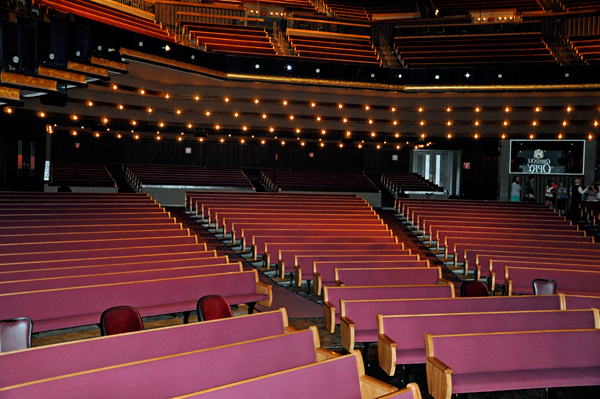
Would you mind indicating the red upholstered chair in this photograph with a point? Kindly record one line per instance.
(120, 319)
(544, 287)
(213, 307)
(473, 288)
(15, 334)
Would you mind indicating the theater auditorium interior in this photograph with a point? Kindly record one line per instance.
(376, 199)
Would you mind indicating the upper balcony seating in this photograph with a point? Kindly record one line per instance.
(334, 47)
(478, 50)
(587, 47)
(110, 16)
(451, 7)
(80, 174)
(580, 5)
(229, 38)
(306, 180)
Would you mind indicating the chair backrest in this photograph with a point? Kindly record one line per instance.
(120, 319)
(15, 334)
(213, 307)
(544, 287)
(473, 288)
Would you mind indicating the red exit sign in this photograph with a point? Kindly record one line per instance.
(466, 165)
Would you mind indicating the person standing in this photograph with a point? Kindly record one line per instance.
(549, 193)
(577, 193)
(562, 195)
(515, 189)
(529, 190)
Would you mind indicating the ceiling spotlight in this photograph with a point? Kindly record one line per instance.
(477, 109)
(197, 98)
(167, 95)
(393, 109)
(367, 107)
(318, 118)
(292, 117)
(149, 109)
(90, 104)
(143, 91)
(120, 106)
(178, 112)
(256, 101)
(217, 127)
(285, 102)
(340, 106)
(115, 87)
(312, 104)
(226, 99)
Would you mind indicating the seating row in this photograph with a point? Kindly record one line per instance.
(313, 181)
(587, 46)
(189, 176)
(83, 175)
(451, 8)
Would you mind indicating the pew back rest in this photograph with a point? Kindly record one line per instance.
(183, 372)
(524, 350)
(364, 312)
(567, 279)
(408, 330)
(385, 276)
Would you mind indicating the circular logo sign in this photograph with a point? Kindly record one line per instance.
(538, 154)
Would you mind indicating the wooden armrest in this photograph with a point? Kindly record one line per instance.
(263, 288)
(317, 283)
(508, 287)
(477, 273)
(492, 281)
(325, 354)
(373, 388)
(386, 352)
(329, 316)
(444, 281)
(267, 258)
(298, 275)
(289, 329)
(347, 327)
(254, 248)
(338, 283)
(439, 378)
(281, 268)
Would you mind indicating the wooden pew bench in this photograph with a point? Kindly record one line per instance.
(582, 302)
(519, 280)
(337, 378)
(87, 228)
(400, 337)
(355, 277)
(183, 372)
(324, 270)
(358, 318)
(58, 238)
(68, 279)
(333, 295)
(522, 360)
(24, 366)
(84, 305)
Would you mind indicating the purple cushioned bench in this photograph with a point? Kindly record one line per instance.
(582, 301)
(333, 295)
(54, 209)
(322, 236)
(91, 217)
(23, 271)
(358, 319)
(519, 280)
(37, 282)
(460, 248)
(324, 271)
(87, 228)
(82, 221)
(23, 366)
(497, 267)
(218, 217)
(84, 305)
(400, 338)
(183, 372)
(338, 378)
(426, 221)
(483, 216)
(521, 360)
(41, 239)
(41, 260)
(286, 251)
(386, 276)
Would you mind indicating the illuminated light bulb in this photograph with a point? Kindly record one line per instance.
(370, 122)
(74, 116)
(262, 141)
(378, 146)
(201, 139)
(161, 124)
(476, 123)
(449, 123)
(590, 137)
(595, 123)
(217, 127)
(397, 135)
(242, 141)
(271, 130)
(422, 123)
(143, 91)
(348, 133)
(189, 125)
(420, 109)
(118, 136)
(74, 133)
(449, 136)
(448, 109)
(302, 144)
(340, 106)
(244, 128)
(167, 96)
(236, 114)
(477, 109)
(322, 144)
(341, 145)
(345, 120)
(393, 109)
(90, 104)
(291, 117)
(120, 106)
(323, 131)
(197, 98)
(207, 113)
(560, 136)
(568, 109)
(137, 137)
(285, 102)
(256, 101)
(264, 116)
(397, 147)
(537, 109)
(105, 120)
(134, 123)
(395, 122)
(373, 134)
(297, 130)
(534, 123)
(318, 118)
(226, 99)
(476, 136)
(283, 143)
(97, 134)
(422, 135)
(149, 109)
(564, 123)
(505, 123)
(507, 109)
(367, 107)
(312, 104)
(178, 112)
(531, 136)
(222, 140)
(360, 146)
(115, 87)
(157, 137)
(42, 114)
(180, 138)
